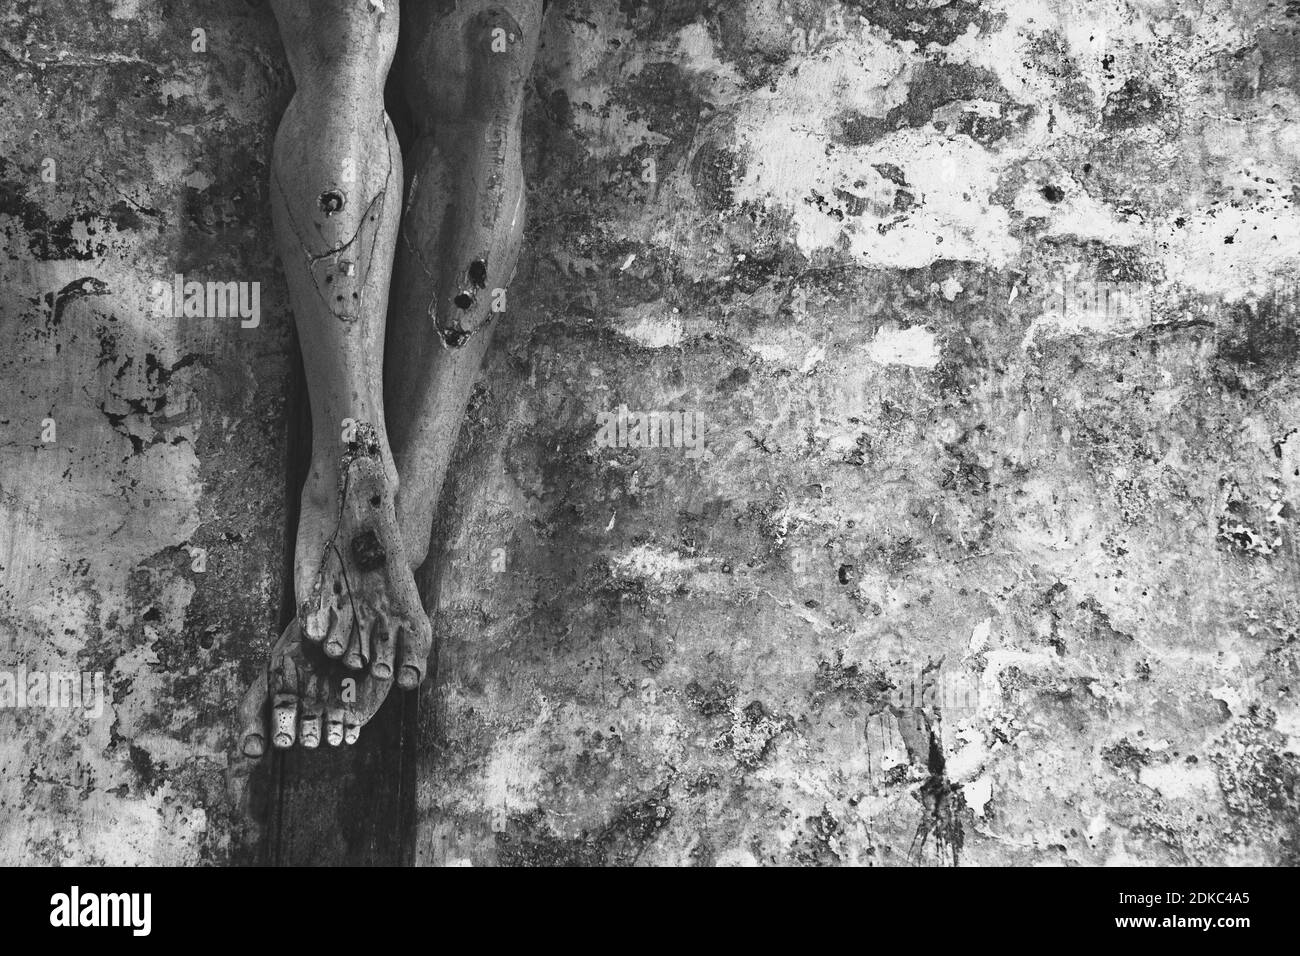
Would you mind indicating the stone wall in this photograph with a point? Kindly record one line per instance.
(975, 563)
(975, 568)
(168, 450)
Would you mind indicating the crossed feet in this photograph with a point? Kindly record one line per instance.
(359, 616)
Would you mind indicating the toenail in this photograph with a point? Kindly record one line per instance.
(382, 671)
(368, 551)
(254, 745)
(409, 677)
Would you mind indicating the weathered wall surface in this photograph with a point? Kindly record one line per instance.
(831, 230)
(1081, 519)
(168, 433)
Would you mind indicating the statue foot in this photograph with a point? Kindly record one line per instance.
(303, 698)
(357, 592)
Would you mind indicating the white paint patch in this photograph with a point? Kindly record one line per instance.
(655, 332)
(1290, 467)
(954, 179)
(966, 762)
(1079, 215)
(915, 347)
(1230, 698)
(816, 355)
(1179, 781)
(512, 775)
(979, 637)
(1260, 258)
(651, 566)
(978, 793)
(1288, 723)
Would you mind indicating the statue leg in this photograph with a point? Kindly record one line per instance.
(464, 66)
(336, 198)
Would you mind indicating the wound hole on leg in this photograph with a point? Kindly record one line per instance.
(368, 551)
(478, 273)
(332, 201)
(464, 301)
(453, 338)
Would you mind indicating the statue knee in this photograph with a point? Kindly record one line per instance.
(502, 58)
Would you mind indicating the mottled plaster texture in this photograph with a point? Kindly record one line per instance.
(968, 572)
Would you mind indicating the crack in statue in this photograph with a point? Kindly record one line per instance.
(384, 426)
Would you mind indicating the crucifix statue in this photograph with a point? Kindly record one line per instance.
(411, 248)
